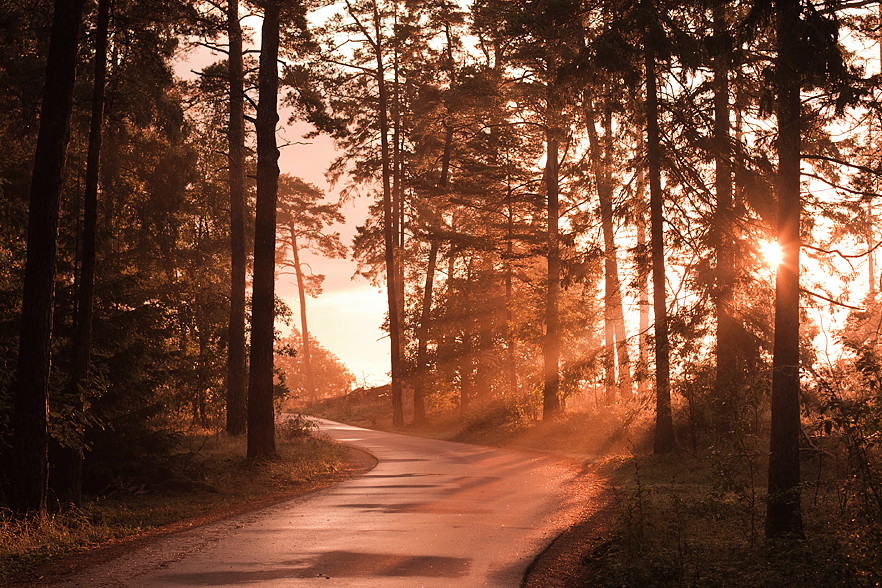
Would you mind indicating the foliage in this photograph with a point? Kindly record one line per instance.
(332, 378)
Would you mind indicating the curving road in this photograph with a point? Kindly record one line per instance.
(430, 514)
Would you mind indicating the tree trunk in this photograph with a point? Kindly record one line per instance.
(261, 423)
(67, 467)
(511, 342)
(389, 234)
(664, 424)
(28, 476)
(727, 350)
(236, 365)
(783, 515)
(614, 316)
(304, 330)
(419, 386)
(642, 281)
(465, 357)
(551, 405)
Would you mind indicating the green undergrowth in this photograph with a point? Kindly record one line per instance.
(209, 473)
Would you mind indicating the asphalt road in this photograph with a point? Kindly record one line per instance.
(430, 514)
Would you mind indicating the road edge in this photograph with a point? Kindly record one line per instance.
(358, 463)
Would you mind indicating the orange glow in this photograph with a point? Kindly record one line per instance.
(772, 252)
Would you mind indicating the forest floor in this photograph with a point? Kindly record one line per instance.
(691, 518)
(220, 484)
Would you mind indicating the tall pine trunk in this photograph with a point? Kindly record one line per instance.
(614, 317)
(28, 476)
(67, 467)
(783, 513)
(419, 386)
(304, 330)
(390, 237)
(642, 279)
(727, 350)
(664, 424)
(236, 366)
(261, 423)
(551, 405)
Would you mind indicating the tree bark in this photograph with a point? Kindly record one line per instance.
(389, 234)
(664, 424)
(511, 342)
(419, 387)
(67, 467)
(28, 476)
(304, 330)
(614, 316)
(236, 362)
(642, 281)
(261, 422)
(551, 405)
(727, 349)
(783, 513)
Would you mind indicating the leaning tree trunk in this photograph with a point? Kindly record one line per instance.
(419, 387)
(304, 330)
(236, 365)
(67, 467)
(783, 514)
(261, 423)
(664, 424)
(28, 474)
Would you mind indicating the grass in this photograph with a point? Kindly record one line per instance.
(211, 473)
(698, 521)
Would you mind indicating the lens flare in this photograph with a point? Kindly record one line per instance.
(772, 252)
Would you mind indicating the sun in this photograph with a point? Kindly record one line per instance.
(772, 252)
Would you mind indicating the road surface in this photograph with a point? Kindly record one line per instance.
(430, 514)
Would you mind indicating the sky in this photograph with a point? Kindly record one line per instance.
(346, 317)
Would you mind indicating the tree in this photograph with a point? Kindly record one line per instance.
(236, 365)
(261, 421)
(614, 318)
(330, 377)
(305, 219)
(783, 513)
(68, 463)
(664, 429)
(28, 476)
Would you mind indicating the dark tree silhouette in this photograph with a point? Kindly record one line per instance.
(28, 476)
(67, 469)
(261, 425)
(236, 368)
(783, 513)
(664, 427)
